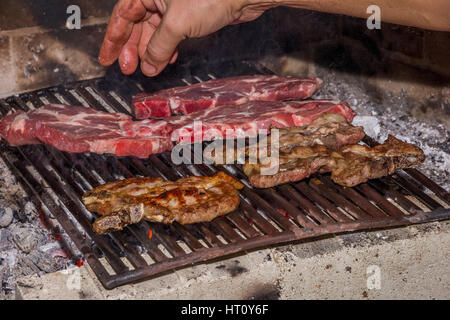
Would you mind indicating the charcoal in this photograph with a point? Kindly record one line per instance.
(6, 217)
(27, 237)
(20, 216)
(29, 209)
(43, 261)
(5, 240)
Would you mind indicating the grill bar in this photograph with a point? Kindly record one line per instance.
(419, 176)
(56, 180)
(289, 192)
(339, 200)
(362, 202)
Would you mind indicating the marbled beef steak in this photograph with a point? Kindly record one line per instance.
(222, 92)
(81, 129)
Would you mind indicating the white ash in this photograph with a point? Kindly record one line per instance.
(394, 115)
(26, 247)
(26, 237)
(6, 217)
(370, 124)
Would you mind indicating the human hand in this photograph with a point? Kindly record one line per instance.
(152, 29)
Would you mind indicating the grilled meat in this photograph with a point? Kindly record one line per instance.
(330, 130)
(349, 166)
(361, 163)
(187, 200)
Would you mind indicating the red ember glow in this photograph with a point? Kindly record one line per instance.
(284, 213)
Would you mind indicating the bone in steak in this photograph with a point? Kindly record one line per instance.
(253, 118)
(330, 130)
(219, 92)
(349, 166)
(80, 129)
(187, 200)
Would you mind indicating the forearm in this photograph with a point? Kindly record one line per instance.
(433, 14)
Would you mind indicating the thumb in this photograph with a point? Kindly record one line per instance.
(161, 47)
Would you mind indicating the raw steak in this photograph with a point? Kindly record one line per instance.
(252, 118)
(227, 91)
(80, 129)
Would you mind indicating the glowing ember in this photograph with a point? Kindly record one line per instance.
(150, 233)
(80, 262)
(284, 213)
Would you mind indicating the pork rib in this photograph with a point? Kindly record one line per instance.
(187, 200)
(219, 92)
(330, 130)
(349, 166)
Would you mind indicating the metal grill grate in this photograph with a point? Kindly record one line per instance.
(306, 209)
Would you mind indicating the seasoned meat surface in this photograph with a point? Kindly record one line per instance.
(187, 200)
(330, 129)
(349, 166)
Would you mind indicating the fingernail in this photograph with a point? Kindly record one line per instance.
(148, 69)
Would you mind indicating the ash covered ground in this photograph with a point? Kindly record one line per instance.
(26, 246)
(394, 114)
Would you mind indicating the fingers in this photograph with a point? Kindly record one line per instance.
(149, 27)
(161, 47)
(135, 30)
(120, 27)
(174, 57)
(128, 59)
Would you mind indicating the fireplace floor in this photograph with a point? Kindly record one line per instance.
(412, 262)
